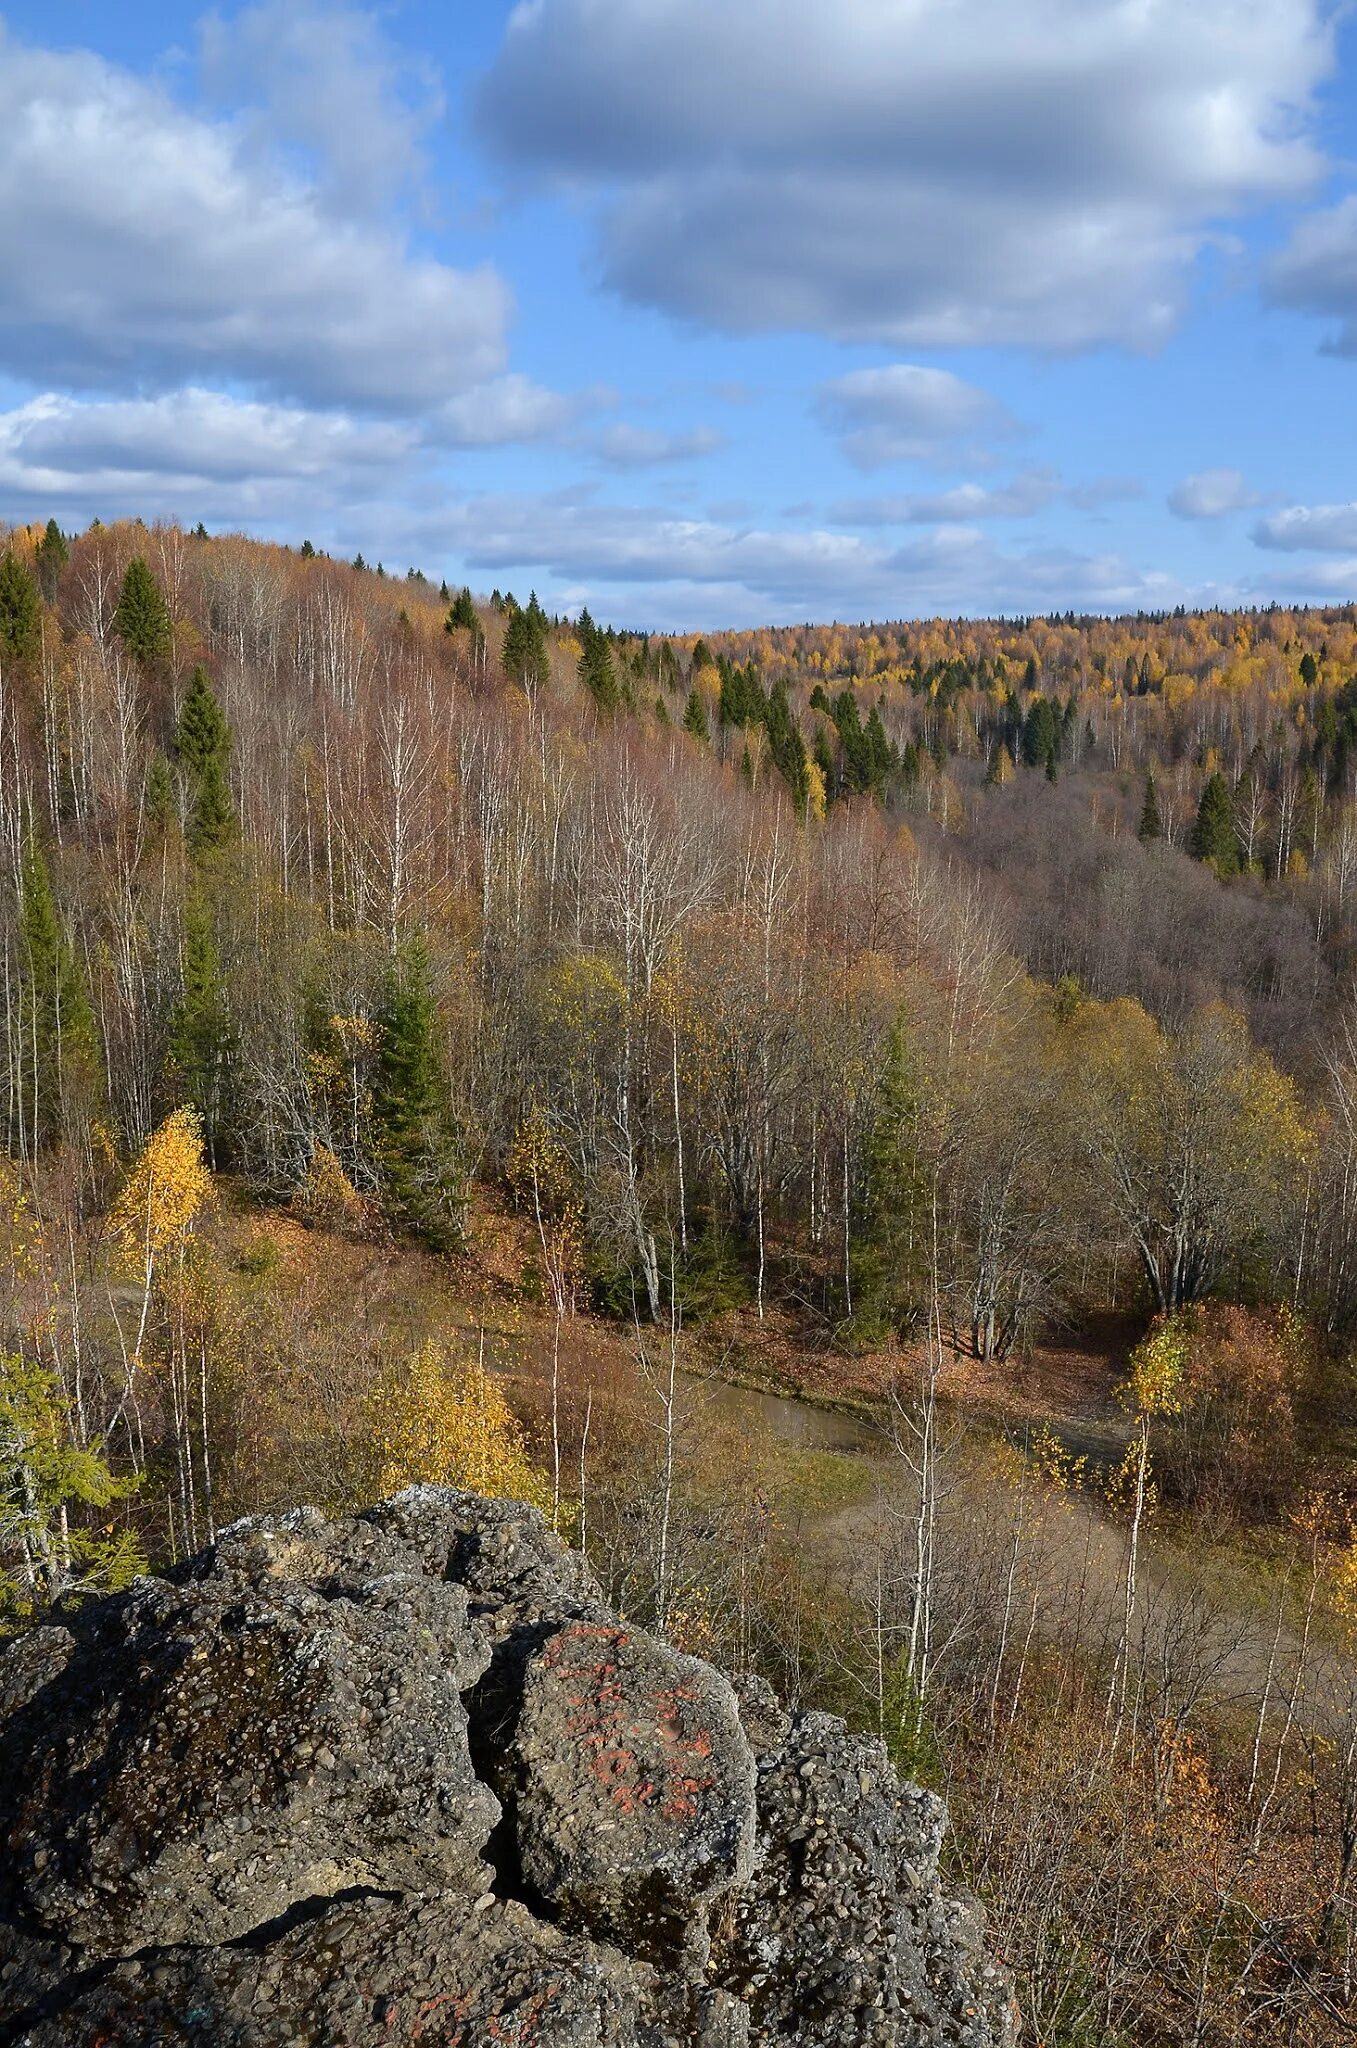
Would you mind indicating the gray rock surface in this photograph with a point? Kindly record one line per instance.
(403, 1777)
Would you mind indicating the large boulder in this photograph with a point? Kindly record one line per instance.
(404, 1776)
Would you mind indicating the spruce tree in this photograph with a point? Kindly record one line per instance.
(695, 717)
(20, 611)
(50, 558)
(596, 670)
(202, 1045)
(1213, 835)
(142, 619)
(1040, 734)
(202, 743)
(525, 644)
(419, 1150)
(880, 757)
(462, 612)
(158, 798)
(59, 1063)
(1151, 826)
(884, 1266)
(787, 747)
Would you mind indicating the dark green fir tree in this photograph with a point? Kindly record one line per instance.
(1213, 835)
(695, 718)
(202, 744)
(59, 1070)
(596, 670)
(20, 611)
(201, 1053)
(1151, 825)
(50, 558)
(142, 619)
(420, 1156)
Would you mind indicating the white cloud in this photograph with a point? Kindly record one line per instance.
(1322, 527)
(914, 172)
(640, 563)
(1030, 492)
(625, 446)
(323, 78)
(903, 412)
(192, 451)
(509, 408)
(142, 244)
(1211, 494)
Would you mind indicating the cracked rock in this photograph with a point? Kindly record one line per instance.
(403, 1776)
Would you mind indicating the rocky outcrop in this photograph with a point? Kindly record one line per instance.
(404, 1777)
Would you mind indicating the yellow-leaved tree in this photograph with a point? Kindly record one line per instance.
(150, 1225)
(442, 1420)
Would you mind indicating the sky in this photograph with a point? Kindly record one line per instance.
(703, 313)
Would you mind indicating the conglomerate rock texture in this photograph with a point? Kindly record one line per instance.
(404, 1778)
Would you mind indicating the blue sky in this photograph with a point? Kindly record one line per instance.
(701, 312)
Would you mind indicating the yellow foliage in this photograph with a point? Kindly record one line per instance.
(1154, 1385)
(327, 1196)
(163, 1193)
(815, 790)
(443, 1421)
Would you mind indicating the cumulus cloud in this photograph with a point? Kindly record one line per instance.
(1317, 271)
(1324, 528)
(641, 561)
(1211, 494)
(903, 412)
(193, 450)
(246, 457)
(1030, 492)
(509, 408)
(141, 244)
(921, 174)
(624, 446)
(324, 79)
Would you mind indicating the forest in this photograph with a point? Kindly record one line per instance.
(445, 1041)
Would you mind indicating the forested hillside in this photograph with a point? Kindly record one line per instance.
(380, 962)
(816, 951)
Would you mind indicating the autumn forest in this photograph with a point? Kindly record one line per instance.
(445, 1041)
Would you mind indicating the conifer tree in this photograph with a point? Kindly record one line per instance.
(596, 670)
(20, 611)
(202, 742)
(695, 717)
(1040, 736)
(881, 759)
(419, 1150)
(462, 613)
(202, 1044)
(1150, 827)
(142, 619)
(1213, 835)
(885, 1284)
(525, 644)
(787, 747)
(59, 1065)
(50, 558)
(158, 798)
